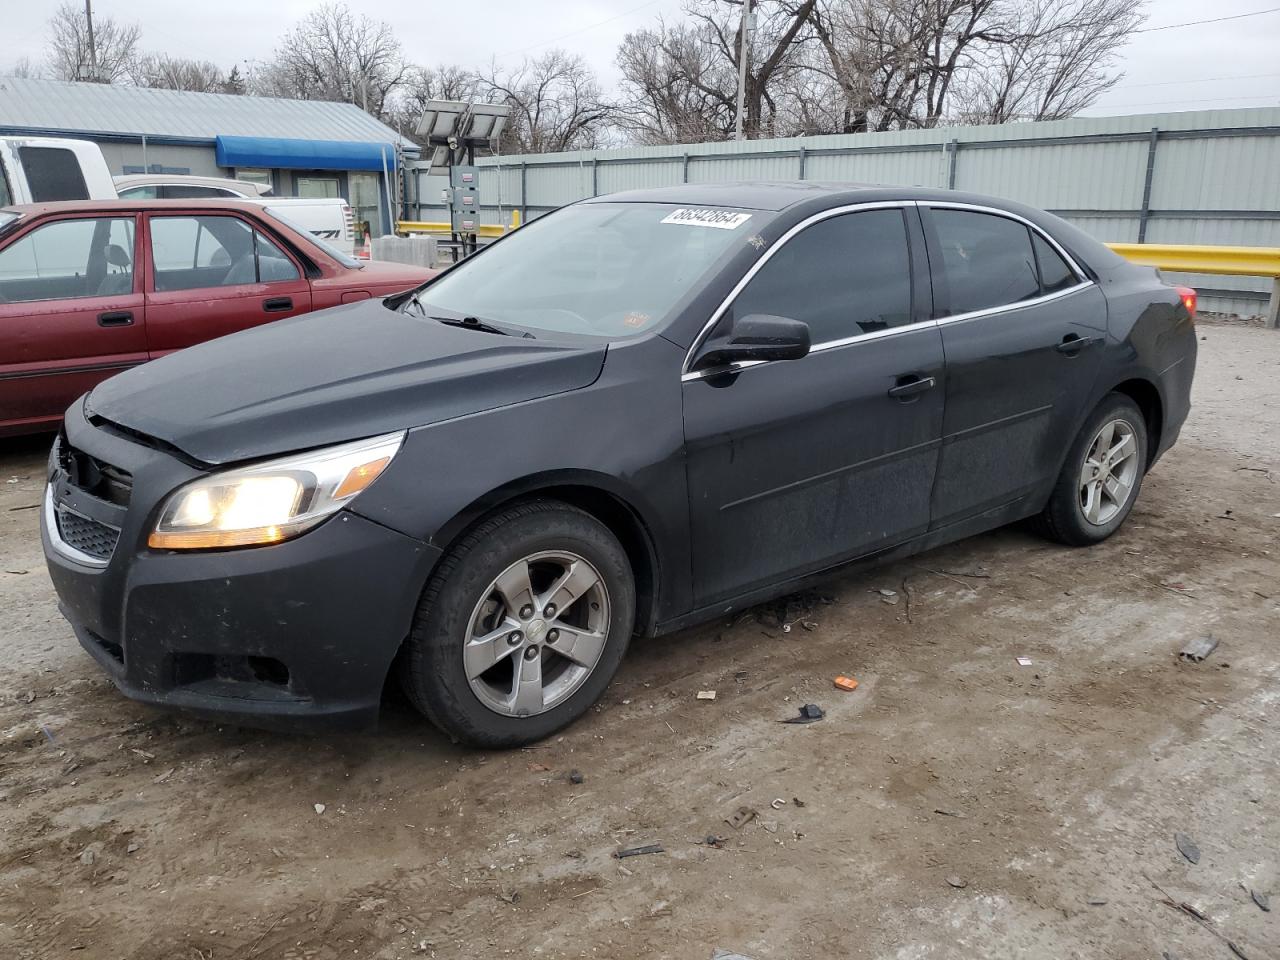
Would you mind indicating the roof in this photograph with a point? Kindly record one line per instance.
(64, 108)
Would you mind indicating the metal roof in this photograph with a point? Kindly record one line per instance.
(97, 109)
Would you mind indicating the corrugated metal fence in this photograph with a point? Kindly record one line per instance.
(1205, 177)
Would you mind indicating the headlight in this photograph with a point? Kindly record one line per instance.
(272, 501)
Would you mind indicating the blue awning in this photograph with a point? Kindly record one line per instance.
(304, 154)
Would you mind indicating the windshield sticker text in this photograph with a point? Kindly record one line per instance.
(706, 217)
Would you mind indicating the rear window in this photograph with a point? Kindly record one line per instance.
(987, 260)
(53, 173)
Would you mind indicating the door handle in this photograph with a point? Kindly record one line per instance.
(116, 318)
(911, 386)
(277, 304)
(1073, 343)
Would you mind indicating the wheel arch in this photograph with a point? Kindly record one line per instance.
(599, 495)
(1146, 395)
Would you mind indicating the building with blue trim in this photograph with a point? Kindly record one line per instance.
(301, 147)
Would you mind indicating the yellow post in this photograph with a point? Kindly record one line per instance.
(515, 219)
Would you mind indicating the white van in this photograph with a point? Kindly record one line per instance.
(38, 169)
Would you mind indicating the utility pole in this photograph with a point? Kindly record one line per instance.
(93, 52)
(744, 48)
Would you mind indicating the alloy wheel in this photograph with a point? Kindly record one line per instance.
(1109, 472)
(536, 633)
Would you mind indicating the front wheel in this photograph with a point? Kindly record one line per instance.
(1101, 477)
(521, 627)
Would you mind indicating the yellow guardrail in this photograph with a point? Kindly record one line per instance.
(1223, 261)
(431, 226)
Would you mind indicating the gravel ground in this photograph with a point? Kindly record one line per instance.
(956, 804)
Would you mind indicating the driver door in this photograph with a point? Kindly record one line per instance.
(798, 465)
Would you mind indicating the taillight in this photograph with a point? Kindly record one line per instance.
(1188, 296)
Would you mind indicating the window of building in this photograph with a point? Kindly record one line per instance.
(254, 175)
(317, 186)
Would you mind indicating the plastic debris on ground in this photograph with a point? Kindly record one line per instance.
(639, 851)
(706, 694)
(809, 713)
(1198, 650)
(740, 817)
(1187, 847)
(846, 683)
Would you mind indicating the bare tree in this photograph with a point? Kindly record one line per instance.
(23, 67)
(917, 63)
(115, 47)
(177, 73)
(331, 54)
(428, 83)
(556, 104)
(235, 82)
(1059, 60)
(676, 86)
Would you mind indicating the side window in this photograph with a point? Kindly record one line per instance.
(843, 276)
(272, 262)
(189, 191)
(987, 259)
(138, 193)
(53, 173)
(69, 259)
(1054, 272)
(6, 197)
(194, 252)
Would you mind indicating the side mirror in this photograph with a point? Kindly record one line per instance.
(757, 336)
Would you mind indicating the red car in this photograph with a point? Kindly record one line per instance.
(89, 288)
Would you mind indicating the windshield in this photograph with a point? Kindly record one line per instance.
(343, 258)
(608, 269)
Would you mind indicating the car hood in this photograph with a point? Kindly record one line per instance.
(340, 374)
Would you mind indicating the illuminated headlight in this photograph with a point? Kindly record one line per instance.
(271, 501)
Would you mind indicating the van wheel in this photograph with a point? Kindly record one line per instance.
(521, 627)
(1101, 477)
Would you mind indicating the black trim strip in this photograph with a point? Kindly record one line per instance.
(56, 371)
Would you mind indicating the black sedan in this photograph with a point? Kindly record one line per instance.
(636, 413)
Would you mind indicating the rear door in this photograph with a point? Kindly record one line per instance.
(1023, 330)
(71, 314)
(796, 465)
(214, 274)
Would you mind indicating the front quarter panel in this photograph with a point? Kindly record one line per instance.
(623, 434)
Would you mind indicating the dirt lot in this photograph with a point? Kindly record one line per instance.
(956, 805)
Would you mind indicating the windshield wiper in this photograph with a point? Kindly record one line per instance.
(472, 323)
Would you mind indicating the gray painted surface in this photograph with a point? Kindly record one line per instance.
(92, 107)
(1212, 178)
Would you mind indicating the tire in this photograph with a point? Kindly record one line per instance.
(1071, 516)
(555, 545)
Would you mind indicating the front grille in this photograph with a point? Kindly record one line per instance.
(98, 540)
(95, 477)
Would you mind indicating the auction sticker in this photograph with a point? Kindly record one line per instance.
(707, 217)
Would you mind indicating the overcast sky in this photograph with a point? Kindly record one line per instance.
(1216, 65)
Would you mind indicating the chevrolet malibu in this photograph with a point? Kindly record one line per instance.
(636, 413)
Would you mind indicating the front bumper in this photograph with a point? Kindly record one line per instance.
(296, 634)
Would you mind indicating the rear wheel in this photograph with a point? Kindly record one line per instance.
(521, 627)
(1101, 477)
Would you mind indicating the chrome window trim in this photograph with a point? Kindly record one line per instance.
(1009, 215)
(688, 375)
(55, 535)
(765, 258)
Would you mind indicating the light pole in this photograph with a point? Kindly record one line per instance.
(744, 48)
(93, 52)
